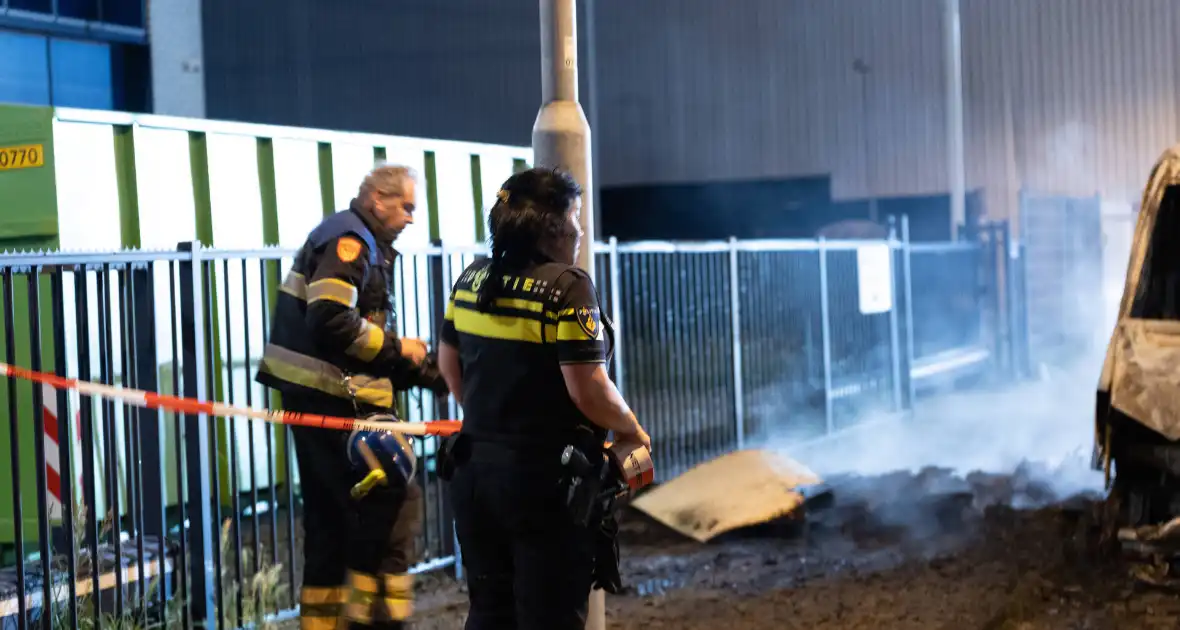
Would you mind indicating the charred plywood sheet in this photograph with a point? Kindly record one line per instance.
(737, 490)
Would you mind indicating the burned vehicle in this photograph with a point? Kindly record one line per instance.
(1137, 419)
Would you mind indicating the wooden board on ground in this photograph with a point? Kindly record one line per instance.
(737, 490)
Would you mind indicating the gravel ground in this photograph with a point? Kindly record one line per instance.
(955, 557)
(935, 522)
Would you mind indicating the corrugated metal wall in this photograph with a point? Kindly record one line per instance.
(1092, 91)
(459, 69)
(1070, 96)
(697, 89)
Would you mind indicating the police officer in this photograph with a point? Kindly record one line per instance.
(524, 351)
(330, 353)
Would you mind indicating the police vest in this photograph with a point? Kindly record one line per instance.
(291, 361)
(514, 391)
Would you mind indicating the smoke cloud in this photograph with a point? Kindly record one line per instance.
(1038, 434)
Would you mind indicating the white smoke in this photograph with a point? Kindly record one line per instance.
(1044, 427)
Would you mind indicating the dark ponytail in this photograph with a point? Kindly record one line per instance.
(530, 207)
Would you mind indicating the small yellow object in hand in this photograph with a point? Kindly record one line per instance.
(375, 477)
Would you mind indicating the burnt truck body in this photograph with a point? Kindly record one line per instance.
(1137, 418)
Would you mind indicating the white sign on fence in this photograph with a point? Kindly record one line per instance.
(874, 272)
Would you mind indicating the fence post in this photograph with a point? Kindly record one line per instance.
(996, 263)
(438, 281)
(907, 283)
(894, 333)
(825, 335)
(616, 312)
(43, 535)
(65, 442)
(452, 408)
(202, 591)
(82, 311)
(735, 303)
(1017, 305)
(151, 431)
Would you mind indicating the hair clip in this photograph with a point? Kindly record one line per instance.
(503, 195)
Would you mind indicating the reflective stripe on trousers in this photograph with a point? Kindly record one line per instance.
(320, 608)
(369, 599)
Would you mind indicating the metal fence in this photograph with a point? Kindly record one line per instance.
(1061, 241)
(193, 518)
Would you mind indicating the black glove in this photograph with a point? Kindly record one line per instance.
(425, 375)
(430, 378)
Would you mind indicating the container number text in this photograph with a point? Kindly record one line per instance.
(24, 156)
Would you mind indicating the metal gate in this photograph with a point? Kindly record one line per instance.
(1061, 243)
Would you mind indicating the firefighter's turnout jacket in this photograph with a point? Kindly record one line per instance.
(329, 333)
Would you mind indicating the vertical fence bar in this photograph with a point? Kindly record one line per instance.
(18, 517)
(894, 333)
(250, 424)
(178, 443)
(735, 305)
(205, 270)
(232, 445)
(271, 468)
(65, 444)
(1008, 260)
(127, 332)
(47, 598)
(907, 271)
(617, 314)
(1019, 257)
(992, 265)
(826, 335)
(448, 276)
(108, 447)
(202, 589)
(151, 430)
(86, 420)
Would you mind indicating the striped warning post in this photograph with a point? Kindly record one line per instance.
(52, 451)
(53, 480)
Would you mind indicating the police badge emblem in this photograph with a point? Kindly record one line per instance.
(588, 321)
(478, 279)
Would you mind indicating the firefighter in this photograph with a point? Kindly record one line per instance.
(333, 351)
(524, 350)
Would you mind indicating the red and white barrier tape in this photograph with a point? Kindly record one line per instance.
(140, 398)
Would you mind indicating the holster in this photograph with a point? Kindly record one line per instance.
(585, 473)
(607, 575)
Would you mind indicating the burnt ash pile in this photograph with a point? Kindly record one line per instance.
(920, 551)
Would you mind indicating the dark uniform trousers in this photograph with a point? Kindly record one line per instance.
(357, 552)
(529, 565)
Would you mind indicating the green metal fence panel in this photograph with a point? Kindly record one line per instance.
(155, 181)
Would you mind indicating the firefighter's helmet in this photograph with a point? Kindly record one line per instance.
(386, 457)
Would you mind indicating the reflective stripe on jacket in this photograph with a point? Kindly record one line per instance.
(329, 329)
